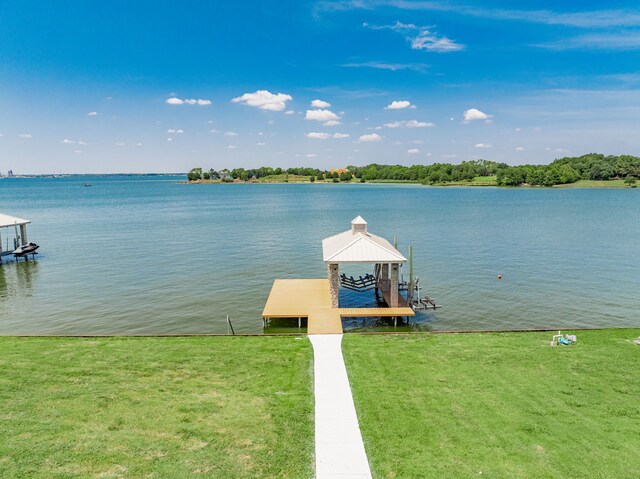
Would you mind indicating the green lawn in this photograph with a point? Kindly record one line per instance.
(156, 407)
(498, 405)
(477, 181)
(595, 184)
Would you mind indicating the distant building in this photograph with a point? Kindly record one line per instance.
(10, 174)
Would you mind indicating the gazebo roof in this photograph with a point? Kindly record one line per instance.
(357, 245)
(7, 220)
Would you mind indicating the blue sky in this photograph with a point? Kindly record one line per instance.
(163, 86)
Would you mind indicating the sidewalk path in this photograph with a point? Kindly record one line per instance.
(340, 452)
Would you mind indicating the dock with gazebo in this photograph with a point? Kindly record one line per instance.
(12, 226)
(317, 299)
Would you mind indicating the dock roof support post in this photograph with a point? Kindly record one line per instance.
(334, 283)
(393, 293)
(23, 235)
(385, 270)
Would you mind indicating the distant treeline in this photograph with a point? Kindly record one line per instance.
(592, 166)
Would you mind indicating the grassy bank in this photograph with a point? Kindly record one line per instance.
(595, 184)
(156, 407)
(478, 181)
(498, 405)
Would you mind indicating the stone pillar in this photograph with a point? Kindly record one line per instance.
(334, 283)
(393, 293)
(384, 277)
(23, 234)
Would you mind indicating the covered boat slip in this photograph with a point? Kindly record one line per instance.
(317, 299)
(12, 226)
(311, 299)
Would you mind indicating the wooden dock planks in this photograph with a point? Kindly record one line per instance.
(311, 299)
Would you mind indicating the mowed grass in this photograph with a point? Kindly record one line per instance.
(594, 184)
(156, 407)
(498, 405)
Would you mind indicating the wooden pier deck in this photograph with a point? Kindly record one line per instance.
(311, 299)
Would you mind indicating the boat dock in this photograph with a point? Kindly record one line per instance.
(311, 299)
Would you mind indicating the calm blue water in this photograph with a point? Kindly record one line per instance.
(148, 255)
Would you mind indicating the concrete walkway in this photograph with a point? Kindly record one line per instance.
(340, 452)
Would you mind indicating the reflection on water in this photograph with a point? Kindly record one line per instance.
(17, 278)
(148, 255)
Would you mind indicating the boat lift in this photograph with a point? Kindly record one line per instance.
(374, 281)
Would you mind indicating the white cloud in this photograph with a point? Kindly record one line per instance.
(320, 104)
(25, 136)
(190, 101)
(262, 143)
(174, 130)
(418, 67)
(408, 124)
(311, 155)
(67, 141)
(473, 114)
(214, 131)
(138, 144)
(331, 123)
(265, 100)
(289, 112)
(324, 136)
(421, 38)
(230, 133)
(370, 137)
(77, 152)
(482, 145)
(399, 105)
(321, 115)
(316, 135)
(597, 41)
(169, 139)
(231, 147)
(418, 124)
(119, 144)
(616, 17)
(92, 113)
(413, 151)
(519, 148)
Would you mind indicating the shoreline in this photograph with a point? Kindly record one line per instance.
(582, 184)
(298, 334)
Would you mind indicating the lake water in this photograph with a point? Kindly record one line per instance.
(135, 254)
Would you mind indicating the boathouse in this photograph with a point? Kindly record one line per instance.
(318, 299)
(358, 246)
(19, 227)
